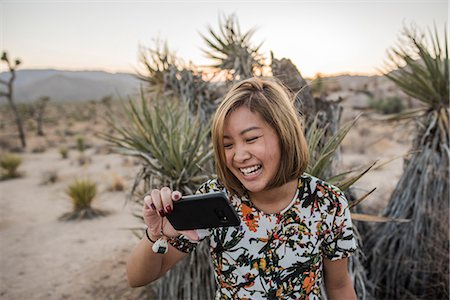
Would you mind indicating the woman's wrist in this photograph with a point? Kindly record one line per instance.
(149, 237)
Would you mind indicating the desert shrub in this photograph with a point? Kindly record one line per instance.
(81, 145)
(390, 105)
(118, 183)
(82, 193)
(318, 86)
(69, 132)
(10, 163)
(64, 151)
(39, 149)
(31, 125)
(49, 177)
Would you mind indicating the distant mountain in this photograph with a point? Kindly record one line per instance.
(62, 85)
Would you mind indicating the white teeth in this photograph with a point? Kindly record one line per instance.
(248, 171)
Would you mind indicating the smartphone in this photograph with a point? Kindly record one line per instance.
(203, 211)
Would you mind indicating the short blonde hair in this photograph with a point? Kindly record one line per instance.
(269, 98)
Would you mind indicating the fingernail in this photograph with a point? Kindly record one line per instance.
(161, 213)
(153, 206)
(176, 196)
(168, 209)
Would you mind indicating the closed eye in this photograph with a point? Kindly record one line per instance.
(252, 139)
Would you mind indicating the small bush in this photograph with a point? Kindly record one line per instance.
(82, 192)
(38, 149)
(10, 163)
(391, 105)
(49, 177)
(64, 151)
(118, 183)
(81, 146)
(83, 160)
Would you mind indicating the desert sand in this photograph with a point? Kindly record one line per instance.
(45, 258)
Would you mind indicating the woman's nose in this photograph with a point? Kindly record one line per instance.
(241, 154)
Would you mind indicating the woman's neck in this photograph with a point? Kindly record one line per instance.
(275, 199)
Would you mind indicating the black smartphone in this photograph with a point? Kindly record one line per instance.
(203, 211)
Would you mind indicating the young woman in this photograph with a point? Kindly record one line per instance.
(295, 229)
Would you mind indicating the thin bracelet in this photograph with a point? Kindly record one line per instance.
(146, 233)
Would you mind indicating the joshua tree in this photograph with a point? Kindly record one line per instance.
(232, 50)
(320, 111)
(411, 260)
(8, 94)
(37, 112)
(167, 78)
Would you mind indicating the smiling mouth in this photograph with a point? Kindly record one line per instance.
(250, 170)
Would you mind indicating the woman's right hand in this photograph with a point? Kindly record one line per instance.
(157, 205)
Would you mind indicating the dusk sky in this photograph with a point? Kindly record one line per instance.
(329, 37)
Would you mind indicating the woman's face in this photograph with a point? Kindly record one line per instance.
(252, 149)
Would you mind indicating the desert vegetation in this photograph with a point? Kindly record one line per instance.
(235, 58)
(421, 246)
(82, 193)
(161, 137)
(10, 163)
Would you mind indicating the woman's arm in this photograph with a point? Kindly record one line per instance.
(145, 266)
(338, 284)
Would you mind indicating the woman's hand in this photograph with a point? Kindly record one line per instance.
(157, 205)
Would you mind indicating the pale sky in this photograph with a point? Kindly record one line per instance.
(329, 37)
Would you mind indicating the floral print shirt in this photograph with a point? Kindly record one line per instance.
(279, 256)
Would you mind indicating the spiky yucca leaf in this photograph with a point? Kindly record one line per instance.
(232, 50)
(167, 75)
(422, 70)
(321, 158)
(171, 142)
(157, 62)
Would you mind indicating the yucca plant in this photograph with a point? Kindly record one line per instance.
(232, 51)
(10, 163)
(175, 151)
(167, 76)
(412, 260)
(319, 113)
(82, 192)
(172, 143)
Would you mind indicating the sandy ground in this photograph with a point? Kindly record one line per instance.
(44, 258)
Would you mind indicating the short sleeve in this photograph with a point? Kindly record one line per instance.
(183, 244)
(340, 242)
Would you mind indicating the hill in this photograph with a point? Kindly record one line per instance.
(62, 85)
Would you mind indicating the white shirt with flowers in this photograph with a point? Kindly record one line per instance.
(279, 256)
